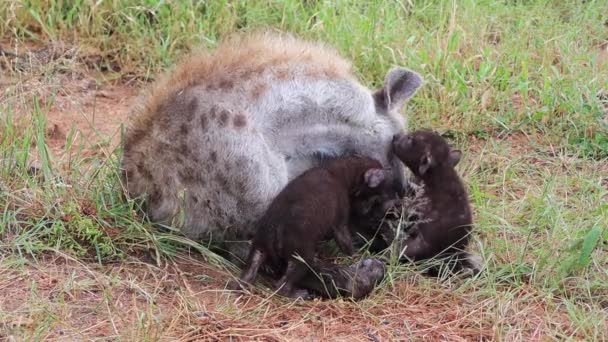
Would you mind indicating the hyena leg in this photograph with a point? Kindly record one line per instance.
(236, 252)
(456, 262)
(296, 271)
(387, 234)
(417, 248)
(344, 239)
(452, 260)
(357, 280)
(254, 261)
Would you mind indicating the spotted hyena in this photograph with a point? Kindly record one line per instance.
(216, 139)
(446, 219)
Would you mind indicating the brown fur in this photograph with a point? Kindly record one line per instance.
(311, 208)
(370, 216)
(446, 219)
(239, 121)
(258, 90)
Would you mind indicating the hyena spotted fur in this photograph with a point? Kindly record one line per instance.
(221, 135)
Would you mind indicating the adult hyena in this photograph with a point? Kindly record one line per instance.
(216, 140)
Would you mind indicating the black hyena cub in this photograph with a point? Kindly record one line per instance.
(445, 218)
(313, 207)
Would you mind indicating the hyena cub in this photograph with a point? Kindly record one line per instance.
(446, 219)
(370, 217)
(311, 208)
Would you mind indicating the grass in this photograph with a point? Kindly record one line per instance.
(520, 86)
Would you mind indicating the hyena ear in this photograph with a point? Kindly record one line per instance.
(426, 162)
(374, 177)
(454, 157)
(399, 85)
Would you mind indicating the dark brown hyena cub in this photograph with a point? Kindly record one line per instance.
(446, 219)
(313, 207)
(370, 217)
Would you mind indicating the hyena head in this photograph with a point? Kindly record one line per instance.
(400, 84)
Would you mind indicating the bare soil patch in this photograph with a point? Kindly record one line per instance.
(70, 90)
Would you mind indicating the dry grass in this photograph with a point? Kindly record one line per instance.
(57, 297)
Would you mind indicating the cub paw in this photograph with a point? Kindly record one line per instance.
(235, 285)
(367, 274)
(296, 294)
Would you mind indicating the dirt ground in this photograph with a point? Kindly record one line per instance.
(71, 91)
(183, 300)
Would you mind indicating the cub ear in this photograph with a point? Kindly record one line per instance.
(399, 85)
(454, 157)
(374, 177)
(426, 162)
